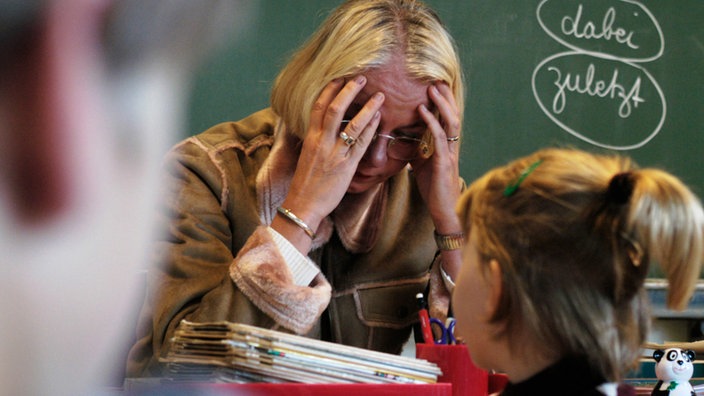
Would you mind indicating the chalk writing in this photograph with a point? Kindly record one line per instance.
(571, 27)
(608, 39)
(620, 29)
(587, 85)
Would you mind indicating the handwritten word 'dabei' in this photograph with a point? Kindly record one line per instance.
(571, 27)
(621, 29)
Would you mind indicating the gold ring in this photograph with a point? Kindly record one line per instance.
(453, 139)
(349, 140)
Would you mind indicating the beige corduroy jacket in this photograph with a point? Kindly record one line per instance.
(217, 261)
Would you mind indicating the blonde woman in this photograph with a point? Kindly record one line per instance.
(324, 214)
(551, 291)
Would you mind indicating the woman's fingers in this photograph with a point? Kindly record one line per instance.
(445, 126)
(335, 109)
(364, 138)
(364, 124)
(438, 177)
(329, 110)
(330, 154)
(444, 100)
(434, 126)
(320, 107)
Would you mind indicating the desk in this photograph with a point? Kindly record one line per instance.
(144, 387)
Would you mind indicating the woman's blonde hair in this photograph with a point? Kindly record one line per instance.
(574, 234)
(361, 35)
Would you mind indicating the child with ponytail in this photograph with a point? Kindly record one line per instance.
(558, 246)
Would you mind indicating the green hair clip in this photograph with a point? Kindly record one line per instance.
(511, 188)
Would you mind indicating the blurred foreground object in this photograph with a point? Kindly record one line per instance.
(91, 91)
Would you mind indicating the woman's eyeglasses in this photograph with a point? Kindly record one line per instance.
(403, 148)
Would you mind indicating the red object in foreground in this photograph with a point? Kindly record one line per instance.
(292, 389)
(457, 368)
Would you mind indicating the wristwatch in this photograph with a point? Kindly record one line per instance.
(449, 242)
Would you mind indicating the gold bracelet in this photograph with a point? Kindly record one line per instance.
(449, 242)
(289, 215)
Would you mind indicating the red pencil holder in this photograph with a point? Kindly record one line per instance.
(457, 368)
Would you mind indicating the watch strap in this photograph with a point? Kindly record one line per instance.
(449, 242)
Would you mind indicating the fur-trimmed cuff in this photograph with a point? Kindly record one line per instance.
(260, 272)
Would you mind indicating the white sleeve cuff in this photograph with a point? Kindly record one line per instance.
(449, 283)
(304, 269)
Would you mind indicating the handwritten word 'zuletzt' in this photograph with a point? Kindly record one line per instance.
(588, 85)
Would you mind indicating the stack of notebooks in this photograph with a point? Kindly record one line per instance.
(238, 353)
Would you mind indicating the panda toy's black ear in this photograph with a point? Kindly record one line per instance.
(690, 353)
(658, 354)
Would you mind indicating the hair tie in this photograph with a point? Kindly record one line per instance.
(511, 188)
(620, 188)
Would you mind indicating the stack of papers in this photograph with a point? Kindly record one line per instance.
(233, 352)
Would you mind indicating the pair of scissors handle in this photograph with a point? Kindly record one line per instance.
(447, 331)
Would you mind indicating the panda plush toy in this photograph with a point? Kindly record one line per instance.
(673, 368)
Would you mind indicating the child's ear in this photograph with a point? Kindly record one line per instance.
(494, 281)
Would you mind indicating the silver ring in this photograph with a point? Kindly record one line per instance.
(453, 139)
(349, 140)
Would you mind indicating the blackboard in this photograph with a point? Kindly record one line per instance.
(602, 75)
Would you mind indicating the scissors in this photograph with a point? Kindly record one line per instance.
(447, 331)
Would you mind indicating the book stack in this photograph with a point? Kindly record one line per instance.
(239, 353)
